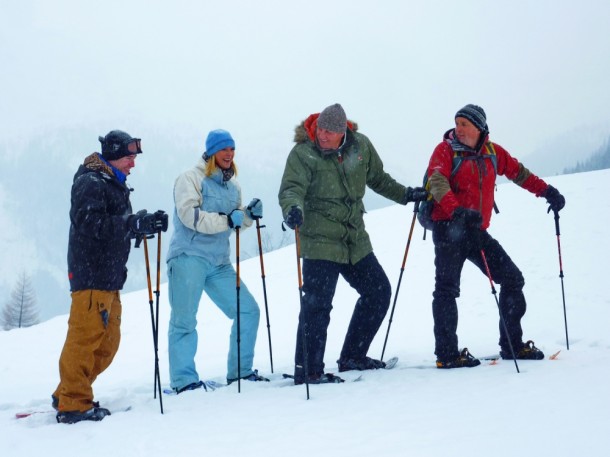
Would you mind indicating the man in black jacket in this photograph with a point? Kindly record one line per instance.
(101, 228)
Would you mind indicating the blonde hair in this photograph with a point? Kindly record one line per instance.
(211, 167)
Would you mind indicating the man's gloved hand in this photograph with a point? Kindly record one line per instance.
(255, 209)
(142, 223)
(294, 218)
(468, 217)
(555, 200)
(416, 194)
(235, 218)
(161, 220)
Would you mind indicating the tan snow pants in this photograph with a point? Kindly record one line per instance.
(94, 333)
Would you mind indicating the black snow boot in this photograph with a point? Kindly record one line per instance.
(72, 417)
(324, 378)
(360, 364)
(527, 352)
(464, 360)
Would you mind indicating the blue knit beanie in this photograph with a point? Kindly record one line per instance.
(474, 114)
(218, 140)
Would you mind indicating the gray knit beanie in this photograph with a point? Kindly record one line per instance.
(474, 114)
(333, 119)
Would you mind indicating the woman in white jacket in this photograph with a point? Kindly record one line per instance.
(207, 208)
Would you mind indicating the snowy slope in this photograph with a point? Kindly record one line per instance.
(557, 408)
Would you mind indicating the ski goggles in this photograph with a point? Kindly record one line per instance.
(133, 146)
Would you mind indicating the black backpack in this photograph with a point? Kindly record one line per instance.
(424, 214)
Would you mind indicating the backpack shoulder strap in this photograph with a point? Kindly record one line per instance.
(491, 153)
(458, 158)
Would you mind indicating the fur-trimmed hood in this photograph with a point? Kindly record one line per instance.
(306, 130)
(96, 163)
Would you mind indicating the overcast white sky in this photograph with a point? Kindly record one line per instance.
(400, 68)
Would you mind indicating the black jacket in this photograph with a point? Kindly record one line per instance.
(100, 239)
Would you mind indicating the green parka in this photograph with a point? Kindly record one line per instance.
(329, 189)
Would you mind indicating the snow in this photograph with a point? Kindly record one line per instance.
(553, 407)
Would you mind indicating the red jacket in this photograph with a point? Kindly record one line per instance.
(473, 184)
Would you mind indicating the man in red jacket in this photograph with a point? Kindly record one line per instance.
(462, 177)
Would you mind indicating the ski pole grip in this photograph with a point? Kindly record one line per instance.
(556, 217)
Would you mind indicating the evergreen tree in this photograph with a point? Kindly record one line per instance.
(21, 309)
(600, 160)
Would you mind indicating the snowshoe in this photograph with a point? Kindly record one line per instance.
(254, 376)
(464, 360)
(72, 417)
(527, 352)
(365, 363)
(324, 378)
(191, 386)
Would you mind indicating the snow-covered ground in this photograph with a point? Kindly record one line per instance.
(553, 407)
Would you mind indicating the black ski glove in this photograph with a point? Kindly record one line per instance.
(555, 200)
(294, 218)
(142, 223)
(161, 220)
(145, 223)
(467, 217)
(416, 194)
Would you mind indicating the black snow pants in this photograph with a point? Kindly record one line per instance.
(453, 245)
(319, 284)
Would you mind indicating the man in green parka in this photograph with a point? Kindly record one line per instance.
(324, 181)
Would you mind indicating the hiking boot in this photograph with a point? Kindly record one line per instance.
(191, 386)
(527, 352)
(465, 359)
(72, 417)
(324, 378)
(254, 376)
(361, 364)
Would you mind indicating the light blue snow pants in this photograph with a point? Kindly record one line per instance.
(188, 277)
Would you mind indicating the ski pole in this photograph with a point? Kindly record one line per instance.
(402, 269)
(303, 316)
(260, 253)
(158, 293)
(493, 291)
(157, 379)
(563, 295)
(237, 286)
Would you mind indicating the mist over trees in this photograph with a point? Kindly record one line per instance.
(597, 161)
(37, 175)
(21, 310)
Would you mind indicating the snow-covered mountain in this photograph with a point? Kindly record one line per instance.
(557, 408)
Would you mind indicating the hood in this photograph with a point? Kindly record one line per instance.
(306, 130)
(451, 139)
(95, 163)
